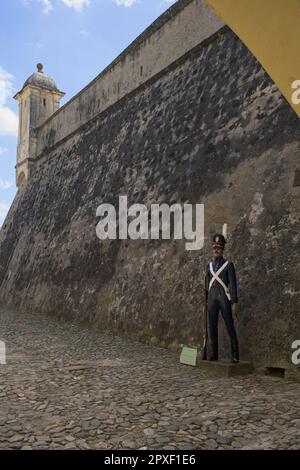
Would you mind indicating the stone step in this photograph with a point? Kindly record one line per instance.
(226, 369)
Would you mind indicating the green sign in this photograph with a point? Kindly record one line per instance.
(188, 355)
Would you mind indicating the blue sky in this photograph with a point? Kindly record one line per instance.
(74, 39)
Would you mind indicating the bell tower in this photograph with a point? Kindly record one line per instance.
(38, 100)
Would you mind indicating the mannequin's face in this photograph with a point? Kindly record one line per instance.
(217, 252)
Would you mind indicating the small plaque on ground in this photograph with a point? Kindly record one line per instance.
(188, 355)
(226, 369)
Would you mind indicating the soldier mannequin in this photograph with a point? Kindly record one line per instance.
(221, 291)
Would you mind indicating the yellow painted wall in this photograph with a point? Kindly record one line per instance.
(271, 31)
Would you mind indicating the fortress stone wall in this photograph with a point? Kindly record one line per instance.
(176, 32)
(210, 128)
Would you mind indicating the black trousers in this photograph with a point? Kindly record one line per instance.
(217, 301)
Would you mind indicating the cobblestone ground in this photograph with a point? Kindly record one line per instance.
(69, 387)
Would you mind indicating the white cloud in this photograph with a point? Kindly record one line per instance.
(6, 88)
(78, 5)
(4, 184)
(8, 118)
(84, 32)
(47, 6)
(37, 45)
(3, 150)
(4, 208)
(125, 3)
(8, 121)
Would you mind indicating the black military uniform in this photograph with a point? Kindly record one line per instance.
(221, 287)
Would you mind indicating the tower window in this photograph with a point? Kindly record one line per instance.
(44, 101)
(141, 70)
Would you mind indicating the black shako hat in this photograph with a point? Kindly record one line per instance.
(219, 241)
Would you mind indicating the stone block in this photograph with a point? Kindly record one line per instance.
(226, 369)
(292, 375)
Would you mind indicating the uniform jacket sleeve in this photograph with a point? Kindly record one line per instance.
(232, 283)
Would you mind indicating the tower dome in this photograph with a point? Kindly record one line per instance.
(41, 80)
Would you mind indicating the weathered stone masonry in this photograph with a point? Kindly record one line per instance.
(211, 128)
(173, 34)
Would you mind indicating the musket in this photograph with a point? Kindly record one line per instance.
(203, 355)
(203, 352)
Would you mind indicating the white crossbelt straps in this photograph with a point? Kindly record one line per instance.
(215, 277)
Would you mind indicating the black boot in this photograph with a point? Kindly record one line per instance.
(213, 357)
(235, 359)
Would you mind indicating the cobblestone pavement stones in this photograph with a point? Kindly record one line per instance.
(67, 386)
